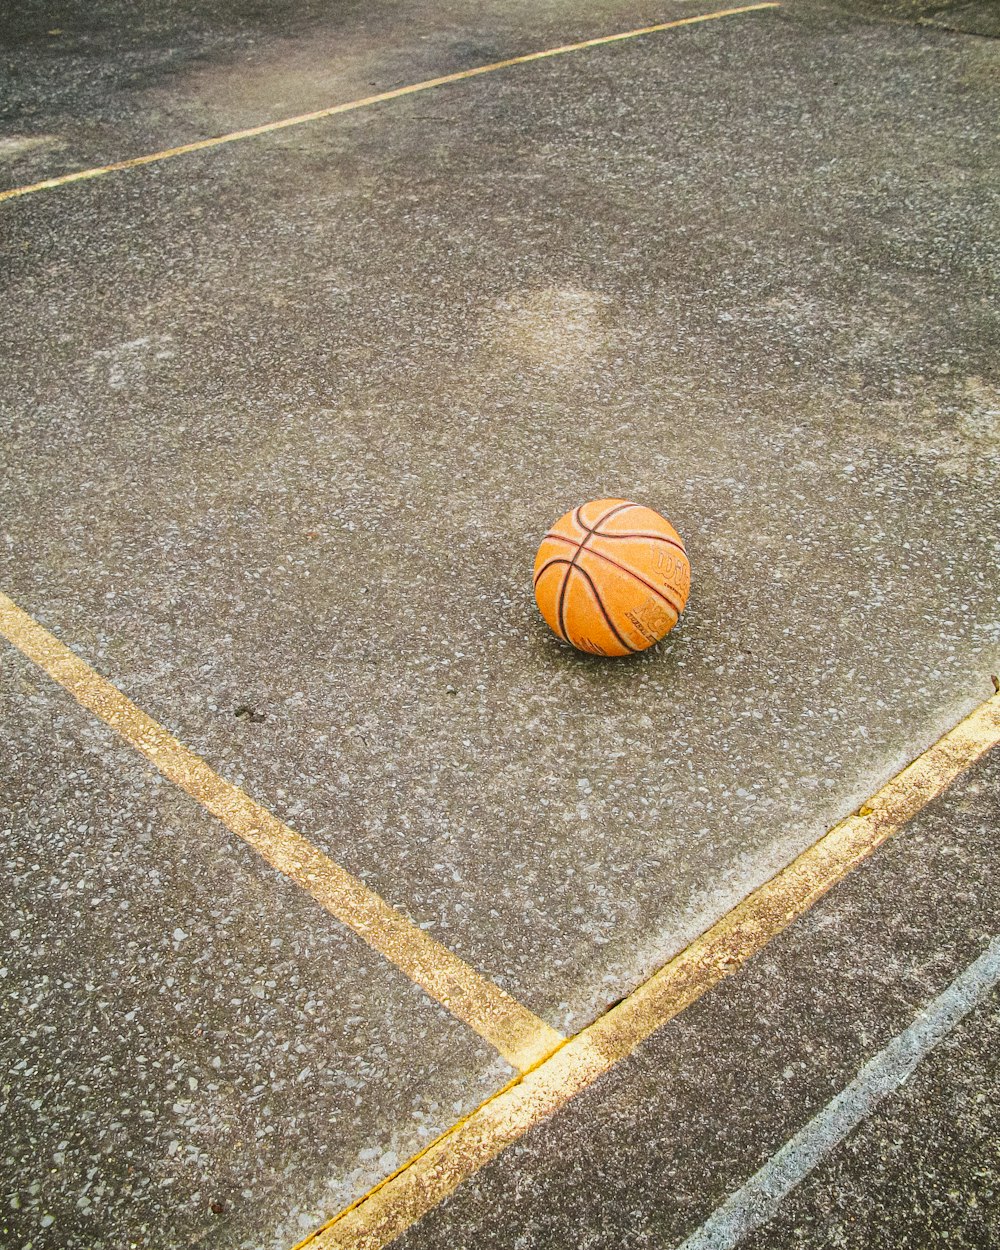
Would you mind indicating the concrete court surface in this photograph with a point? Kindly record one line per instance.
(645, 1155)
(283, 423)
(648, 1153)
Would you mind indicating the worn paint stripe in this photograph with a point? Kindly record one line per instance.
(252, 132)
(755, 1203)
(403, 1198)
(521, 1037)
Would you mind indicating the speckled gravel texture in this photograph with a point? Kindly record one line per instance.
(194, 1055)
(284, 422)
(642, 1158)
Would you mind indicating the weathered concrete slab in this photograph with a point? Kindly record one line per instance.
(283, 424)
(194, 1052)
(642, 1158)
(287, 421)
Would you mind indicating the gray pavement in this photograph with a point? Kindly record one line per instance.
(195, 1053)
(647, 1153)
(284, 422)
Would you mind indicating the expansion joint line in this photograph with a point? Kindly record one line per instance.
(398, 1202)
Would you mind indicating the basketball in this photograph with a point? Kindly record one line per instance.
(612, 577)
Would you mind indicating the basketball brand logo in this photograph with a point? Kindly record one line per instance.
(674, 569)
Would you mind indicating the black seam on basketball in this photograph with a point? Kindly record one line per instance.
(638, 577)
(547, 565)
(626, 534)
(604, 612)
(619, 507)
(561, 605)
(606, 516)
(662, 538)
(571, 542)
(563, 538)
(672, 542)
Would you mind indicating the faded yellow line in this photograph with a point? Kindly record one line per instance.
(267, 128)
(392, 1207)
(521, 1037)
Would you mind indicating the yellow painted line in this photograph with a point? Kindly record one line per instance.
(393, 1206)
(521, 1037)
(267, 128)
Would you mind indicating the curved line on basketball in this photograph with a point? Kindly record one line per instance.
(638, 577)
(561, 604)
(662, 538)
(565, 538)
(589, 529)
(551, 564)
(604, 612)
(619, 507)
(547, 565)
(561, 538)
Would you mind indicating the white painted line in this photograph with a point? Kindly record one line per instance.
(757, 1202)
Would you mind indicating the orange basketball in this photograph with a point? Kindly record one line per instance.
(612, 577)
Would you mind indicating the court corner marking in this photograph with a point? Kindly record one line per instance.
(521, 1037)
(400, 1200)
